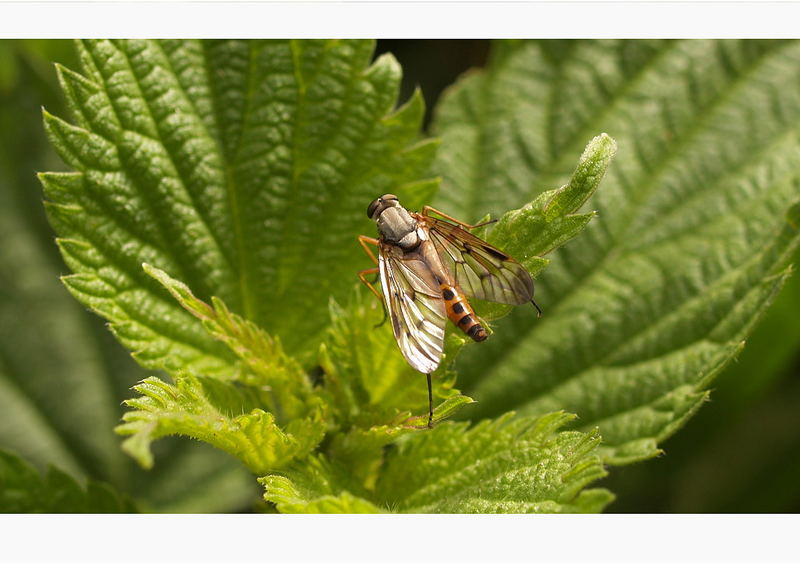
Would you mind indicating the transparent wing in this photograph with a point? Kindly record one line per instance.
(415, 306)
(481, 270)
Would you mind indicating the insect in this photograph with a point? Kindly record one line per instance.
(427, 267)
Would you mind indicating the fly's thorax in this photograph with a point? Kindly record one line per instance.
(397, 226)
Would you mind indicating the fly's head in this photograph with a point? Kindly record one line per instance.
(377, 206)
(395, 224)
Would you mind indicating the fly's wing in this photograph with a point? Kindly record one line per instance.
(416, 309)
(481, 270)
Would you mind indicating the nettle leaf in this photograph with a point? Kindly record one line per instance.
(377, 397)
(24, 490)
(361, 449)
(263, 365)
(550, 220)
(222, 414)
(316, 487)
(242, 168)
(62, 378)
(229, 414)
(522, 465)
(692, 240)
(508, 465)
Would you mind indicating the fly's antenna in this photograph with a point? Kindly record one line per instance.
(430, 401)
(538, 310)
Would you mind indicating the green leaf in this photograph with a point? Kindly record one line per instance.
(264, 363)
(720, 462)
(315, 488)
(361, 450)
(692, 240)
(24, 490)
(550, 221)
(242, 168)
(770, 351)
(508, 465)
(222, 414)
(62, 377)
(373, 390)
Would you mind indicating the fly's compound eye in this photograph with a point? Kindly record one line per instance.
(373, 206)
(380, 203)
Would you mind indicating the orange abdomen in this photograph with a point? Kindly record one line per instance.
(461, 313)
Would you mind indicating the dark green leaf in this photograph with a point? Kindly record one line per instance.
(24, 490)
(691, 242)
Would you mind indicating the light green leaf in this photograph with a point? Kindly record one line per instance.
(692, 239)
(441, 412)
(508, 465)
(213, 161)
(373, 389)
(24, 490)
(315, 488)
(222, 414)
(265, 365)
(361, 450)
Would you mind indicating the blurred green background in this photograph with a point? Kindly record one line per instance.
(60, 368)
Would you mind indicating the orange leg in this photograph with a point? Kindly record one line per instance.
(364, 240)
(428, 210)
(370, 271)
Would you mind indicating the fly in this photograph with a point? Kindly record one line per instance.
(428, 265)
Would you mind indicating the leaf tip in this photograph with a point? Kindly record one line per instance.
(153, 272)
(388, 61)
(601, 149)
(137, 447)
(605, 139)
(61, 70)
(47, 116)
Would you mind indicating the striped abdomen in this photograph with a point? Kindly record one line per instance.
(461, 313)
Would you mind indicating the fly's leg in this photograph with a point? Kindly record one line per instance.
(428, 210)
(364, 240)
(538, 310)
(385, 316)
(362, 275)
(430, 401)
